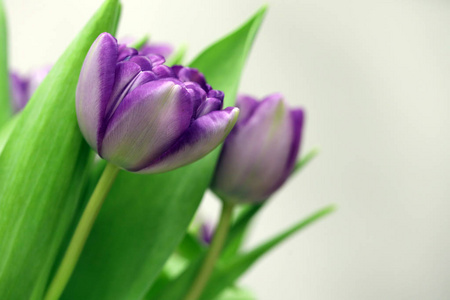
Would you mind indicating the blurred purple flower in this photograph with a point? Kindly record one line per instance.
(261, 150)
(23, 87)
(206, 233)
(144, 116)
(163, 49)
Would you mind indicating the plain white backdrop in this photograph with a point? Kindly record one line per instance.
(374, 77)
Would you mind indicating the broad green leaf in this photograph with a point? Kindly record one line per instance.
(5, 132)
(190, 247)
(145, 217)
(226, 274)
(5, 109)
(42, 170)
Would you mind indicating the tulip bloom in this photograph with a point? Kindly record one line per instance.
(23, 87)
(146, 117)
(261, 150)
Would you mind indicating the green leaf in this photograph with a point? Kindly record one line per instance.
(238, 231)
(228, 271)
(42, 170)
(145, 217)
(178, 56)
(5, 109)
(190, 247)
(140, 43)
(226, 274)
(5, 132)
(235, 293)
(305, 160)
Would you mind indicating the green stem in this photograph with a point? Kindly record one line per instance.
(213, 253)
(81, 234)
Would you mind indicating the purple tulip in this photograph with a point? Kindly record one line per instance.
(23, 87)
(261, 150)
(144, 116)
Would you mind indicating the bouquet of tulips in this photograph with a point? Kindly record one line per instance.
(105, 157)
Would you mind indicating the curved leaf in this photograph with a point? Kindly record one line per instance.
(42, 170)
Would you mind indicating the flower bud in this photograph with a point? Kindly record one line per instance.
(23, 87)
(206, 233)
(144, 116)
(260, 152)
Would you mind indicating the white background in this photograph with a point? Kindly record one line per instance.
(374, 77)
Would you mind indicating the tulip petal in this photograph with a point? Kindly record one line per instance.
(211, 104)
(216, 94)
(260, 147)
(146, 123)
(95, 86)
(198, 95)
(297, 118)
(247, 105)
(204, 134)
(189, 74)
(143, 62)
(125, 52)
(125, 72)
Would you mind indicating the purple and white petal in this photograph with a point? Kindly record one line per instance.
(95, 86)
(203, 136)
(211, 104)
(146, 123)
(125, 73)
(125, 52)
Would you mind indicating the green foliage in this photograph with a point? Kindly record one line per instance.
(226, 274)
(5, 109)
(177, 57)
(5, 132)
(232, 263)
(43, 168)
(145, 217)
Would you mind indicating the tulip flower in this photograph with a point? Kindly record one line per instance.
(143, 116)
(23, 87)
(260, 152)
(257, 157)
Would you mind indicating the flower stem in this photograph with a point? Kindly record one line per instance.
(81, 234)
(213, 253)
